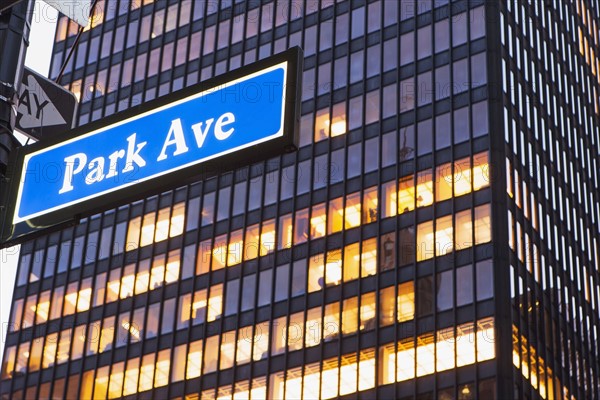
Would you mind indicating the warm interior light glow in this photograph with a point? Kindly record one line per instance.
(351, 215)
(338, 126)
(42, 310)
(267, 241)
(318, 226)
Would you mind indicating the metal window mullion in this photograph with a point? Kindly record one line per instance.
(473, 249)
(209, 287)
(136, 53)
(144, 82)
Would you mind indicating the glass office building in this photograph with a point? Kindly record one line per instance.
(434, 237)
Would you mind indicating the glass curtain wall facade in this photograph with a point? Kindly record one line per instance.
(550, 78)
(376, 261)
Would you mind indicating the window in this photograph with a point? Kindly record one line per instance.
(333, 125)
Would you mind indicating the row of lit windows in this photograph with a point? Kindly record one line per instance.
(353, 261)
(422, 189)
(534, 368)
(345, 317)
(155, 227)
(405, 360)
(323, 269)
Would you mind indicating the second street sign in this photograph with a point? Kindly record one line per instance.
(246, 116)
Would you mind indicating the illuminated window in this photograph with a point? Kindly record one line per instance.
(101, 383)
(43, 307)
(35, 358)
(252, 242)
(301, 226)
(267, 237)
(115, 384)
(215, 302)
(219, 252)
(56, 306)
(285, 232)
(114, 285)
(463, 229)
(326, 126)
(227, 352)
(335, 218)
(331, 321)
(211, 354)
(146, 375)
(315, 273)
(352, 211)
(425, 243)
(444, 241)
(8, 362)
(443, 182)
(369, 208)
(99, 289)
(204, 257)
(235, 248)
(367, 311)
(483, 231)
(351, 261)
(64, 345)
(70, 299)
(333, 267)
(368, 257)
(318, 221)
(278, 338)
(78, 342)
(50, 346)
(163, 363)
(132, 373)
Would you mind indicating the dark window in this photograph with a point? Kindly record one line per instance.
(424, 135)
(224, 202)
(388, 149)
(358, 22)
(445, 290)
(485, 279)
(255, 197)
(248, 292)
(282, 277)
(461, 125)
(480, 119)
(442, 35)
(390, 54)
(424, 297)
(265, 287)
(407, 48)
(464, 285)
(442, 131)
(239, 198)
(299, 278)
(232, 297)
(208, 209)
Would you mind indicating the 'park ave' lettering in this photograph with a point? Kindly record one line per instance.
(175, 144)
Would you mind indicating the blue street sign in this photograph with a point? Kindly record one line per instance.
(230, 123)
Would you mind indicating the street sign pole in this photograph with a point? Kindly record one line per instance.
(15, 25)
